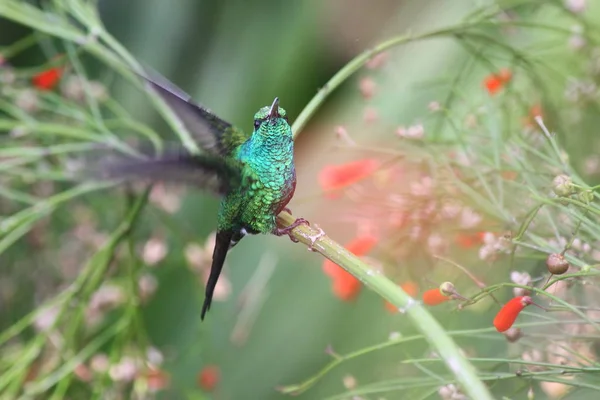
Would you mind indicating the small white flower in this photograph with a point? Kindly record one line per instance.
(436, 244)
(154, 356)
(168, 200)
(487, 253)
(99, 363)
(576, 6)
(434, 106)
(154, 251)
(27, 100)
(416, 131)
(196, 256)
(520, 278)
(45, 319)
(450, 210)
(125, 371)
(147, 285)
(469, 218)
(422, 188)
(107, 297)
(349, 382)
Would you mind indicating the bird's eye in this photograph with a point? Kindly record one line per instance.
(257, 123)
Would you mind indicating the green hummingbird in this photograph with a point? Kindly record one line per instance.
(253, 173)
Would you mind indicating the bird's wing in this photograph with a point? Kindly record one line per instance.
(212, 134)
(206, 171)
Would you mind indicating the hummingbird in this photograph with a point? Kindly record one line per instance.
(253, 173)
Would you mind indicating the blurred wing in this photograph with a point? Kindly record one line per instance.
(206, 171)
(213, 134)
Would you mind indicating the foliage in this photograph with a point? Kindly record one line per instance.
(467, 184)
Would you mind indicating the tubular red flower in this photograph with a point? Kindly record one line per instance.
(492, 84)
(535, 111)
(209, 378)
(433, 297)
(469, 240)
(47, 80)
(510, 311)
(346, 287)
(335, 177)
(505, 75)
(495, 82)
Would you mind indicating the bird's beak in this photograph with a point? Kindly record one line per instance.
(274, 112)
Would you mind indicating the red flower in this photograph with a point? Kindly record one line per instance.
(47, 80)
(495, 82)
(157, 379)
(535, 111)
(469, 240)
(505, 75)
(209, 378)
(411, 289)
(508, 313)
(345, 285)
(509, 175)
(433, 297)
(335, 177)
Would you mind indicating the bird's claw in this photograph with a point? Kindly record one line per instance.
(288, 229)
(314, 238)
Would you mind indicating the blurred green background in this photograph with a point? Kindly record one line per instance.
(235, 57)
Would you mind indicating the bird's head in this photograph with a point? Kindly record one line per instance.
(271, 120)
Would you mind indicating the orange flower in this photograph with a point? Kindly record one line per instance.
(433, 297)
(534, 111)
(495, 82)
(411, 289)
(157, 379)
(47, 80)
(345, 286)
(509, 175)
(335, 177)
(505, 75)
(209, 378)
(510, 311)
(469, 240)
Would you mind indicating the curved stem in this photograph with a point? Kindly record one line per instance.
(435, 334)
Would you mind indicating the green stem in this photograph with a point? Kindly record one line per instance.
(435, 334)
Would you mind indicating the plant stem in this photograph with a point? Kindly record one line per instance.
(435, 334)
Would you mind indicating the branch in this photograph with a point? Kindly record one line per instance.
(435, 334)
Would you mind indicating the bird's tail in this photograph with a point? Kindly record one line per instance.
(220, 252)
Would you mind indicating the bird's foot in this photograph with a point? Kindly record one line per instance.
(288, 229)
(314, 238)
(287, 210)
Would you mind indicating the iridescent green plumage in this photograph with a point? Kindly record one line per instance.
(254, 173)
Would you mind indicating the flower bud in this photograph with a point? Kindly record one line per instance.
(562, 185)
(513, 334)
(586, 268)
(557, 264)
(585, 196)
(447, 289)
